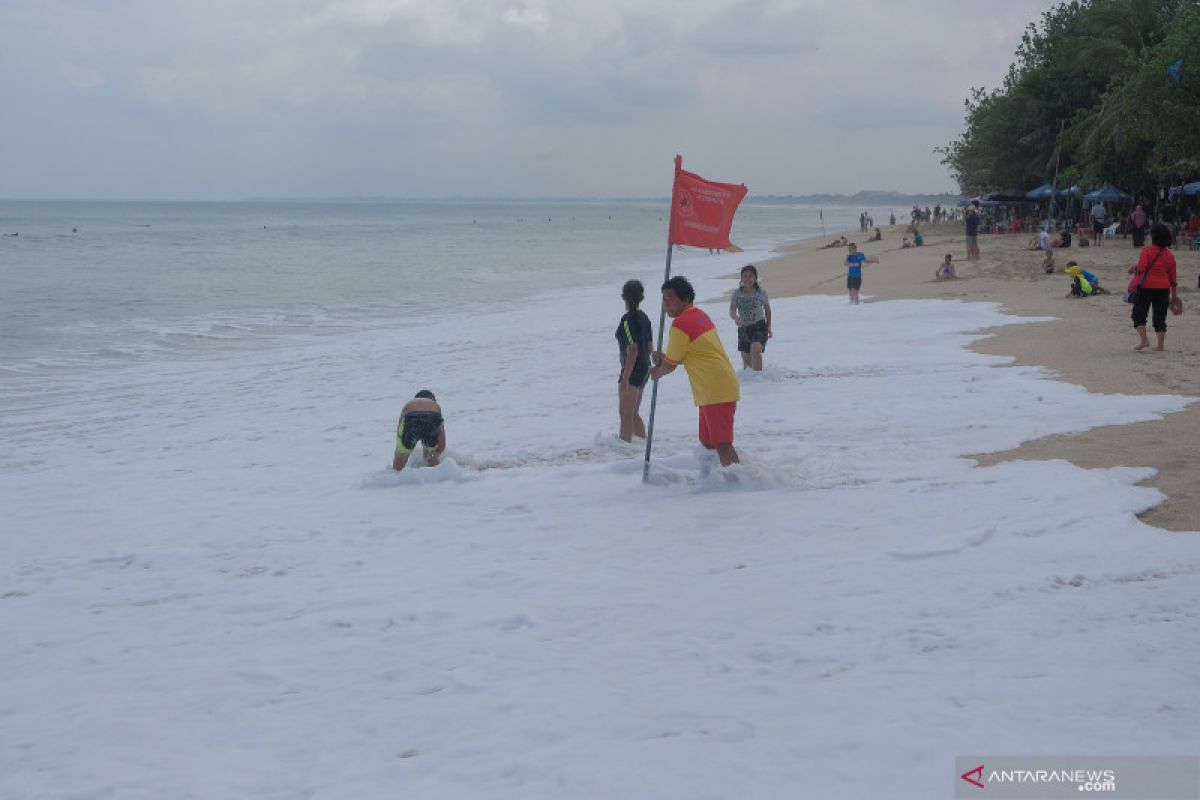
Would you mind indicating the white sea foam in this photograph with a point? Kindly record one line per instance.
(213, 586)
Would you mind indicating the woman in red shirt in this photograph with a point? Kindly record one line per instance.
(1156, 285)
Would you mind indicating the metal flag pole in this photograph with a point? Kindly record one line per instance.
(662, 316)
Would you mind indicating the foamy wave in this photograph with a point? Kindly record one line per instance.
(419, 474)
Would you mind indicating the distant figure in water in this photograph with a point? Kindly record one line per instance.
(750, 308)
(420, 421)
(854, 264)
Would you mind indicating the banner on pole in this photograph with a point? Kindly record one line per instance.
(702, 211)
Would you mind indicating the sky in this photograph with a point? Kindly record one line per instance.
(141, 99)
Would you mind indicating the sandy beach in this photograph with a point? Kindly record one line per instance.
(1089, 342)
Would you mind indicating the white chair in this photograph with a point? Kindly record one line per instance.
(1111, 230)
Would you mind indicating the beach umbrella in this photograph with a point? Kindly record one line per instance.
(1040, 193)
(1107, 194)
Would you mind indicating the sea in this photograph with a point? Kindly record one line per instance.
(214, 585)
(98, 285)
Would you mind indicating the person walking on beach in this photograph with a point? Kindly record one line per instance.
(634, 337)
(1139, 226)
(854, 265)
(1099, 216)
(971, 226)
(694, 343)
(751, 310)
(420, 421)
(1155, 284)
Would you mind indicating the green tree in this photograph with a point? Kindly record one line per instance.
(1097, 66)
(1011, 134)
(1143, 132)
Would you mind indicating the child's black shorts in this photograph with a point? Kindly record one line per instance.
(749, 334)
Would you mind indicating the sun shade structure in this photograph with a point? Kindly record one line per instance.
(1107, 194)
(1043, 192)
(1187, 190)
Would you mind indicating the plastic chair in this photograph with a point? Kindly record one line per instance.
(1111, 230)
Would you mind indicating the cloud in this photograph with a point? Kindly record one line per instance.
(531, 18)
(81, 77)
(502, 93)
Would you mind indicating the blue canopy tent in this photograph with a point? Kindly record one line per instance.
(1043, 192)
(1187, 190)
(1107, 194)
(981, 200)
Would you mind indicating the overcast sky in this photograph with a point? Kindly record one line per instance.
(229, 99)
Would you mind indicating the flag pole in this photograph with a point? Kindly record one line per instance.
(662, 317)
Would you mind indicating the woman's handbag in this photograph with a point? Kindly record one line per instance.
(1131, 292)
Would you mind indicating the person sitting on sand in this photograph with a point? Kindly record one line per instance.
(1080, 285)
(1074, 269)
(420, 421)
(839, 242)
(1040, 242)
(905, 243)
(876, 236)
(945, 270)
(918, 240)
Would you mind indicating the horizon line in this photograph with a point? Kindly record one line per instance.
(465, 197)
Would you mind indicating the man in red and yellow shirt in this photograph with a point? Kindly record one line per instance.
(693, 342)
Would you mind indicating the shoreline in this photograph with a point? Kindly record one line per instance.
(1088, 343)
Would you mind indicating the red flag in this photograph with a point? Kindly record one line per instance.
(702, 211)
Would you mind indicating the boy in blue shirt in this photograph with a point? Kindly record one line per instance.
(854, 265)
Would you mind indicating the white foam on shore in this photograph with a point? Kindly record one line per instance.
(214, 586)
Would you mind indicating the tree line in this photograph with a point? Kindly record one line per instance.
(1104, 91)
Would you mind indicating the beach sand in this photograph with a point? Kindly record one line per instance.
(1089, 343)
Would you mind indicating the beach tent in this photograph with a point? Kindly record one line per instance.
(1187, 190)
(984, 201)
(1107, 194)
(1043, 192)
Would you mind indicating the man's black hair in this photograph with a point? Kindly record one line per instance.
(682, 289)
(428, 395)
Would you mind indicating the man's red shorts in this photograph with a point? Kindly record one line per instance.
(716, 423)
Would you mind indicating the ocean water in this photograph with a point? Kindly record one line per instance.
(91, 285)
(214, 586)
